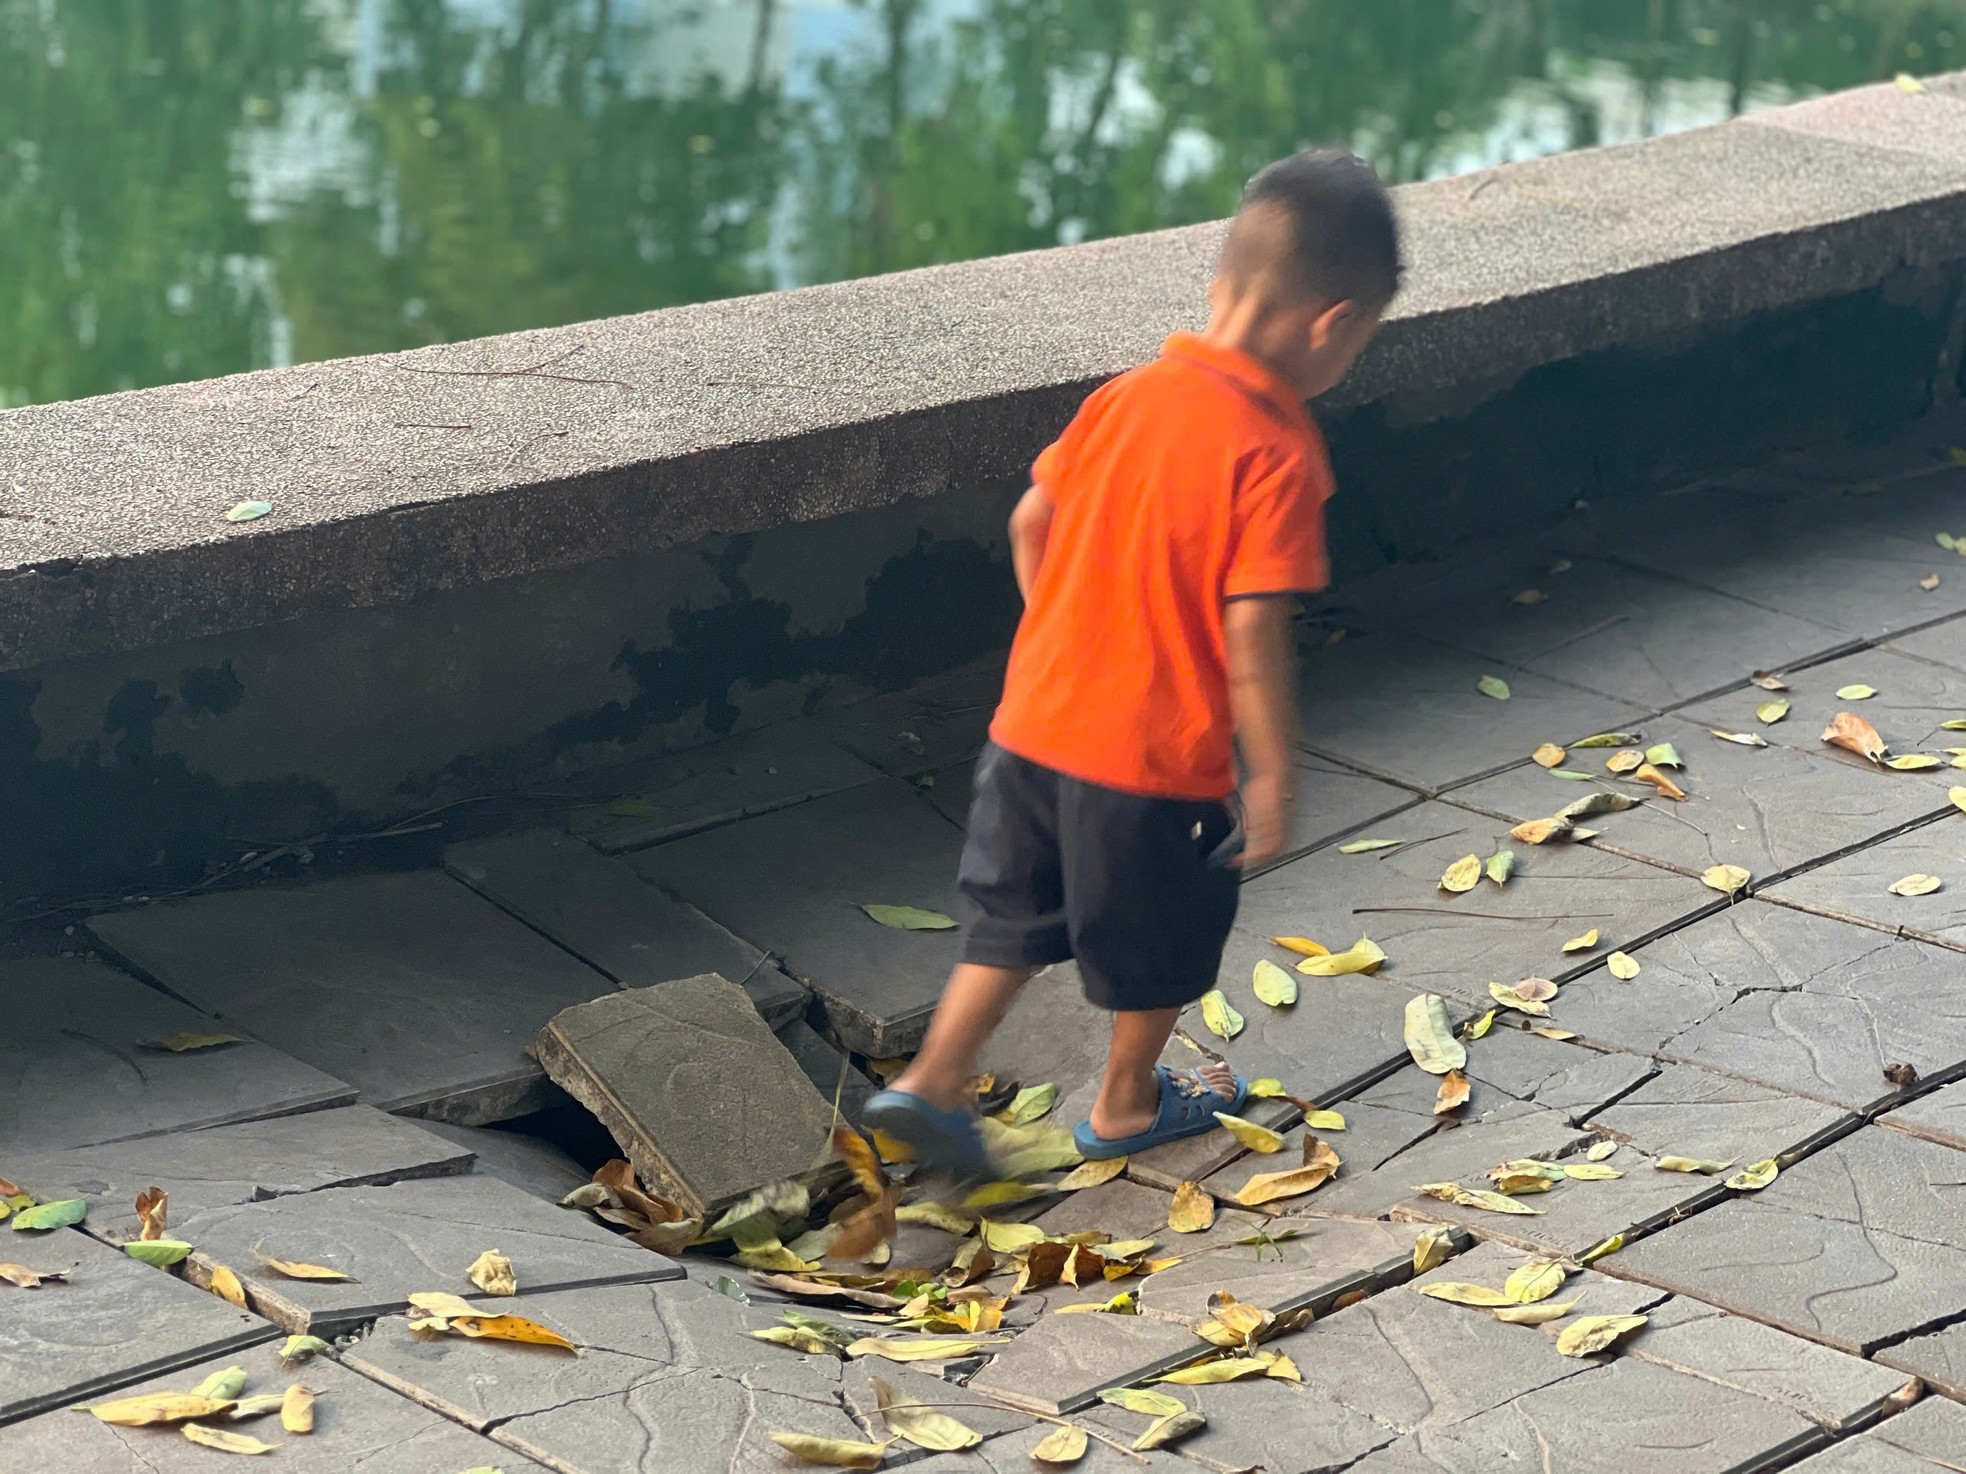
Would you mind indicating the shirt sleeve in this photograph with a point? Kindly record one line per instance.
(1278, 542)
(1052, 470)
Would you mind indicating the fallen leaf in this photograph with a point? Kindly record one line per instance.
(1365, 846)
(300, 1348)
(1754, 1177)
(257, 1406)
(1472, 1197)
(294, 1270)
(1209, 1373)
(1478, 1028)
(797, 1338)
(1144, 1401)
(1167, 1430)
(1597, 803)
(1593, 1333)
(1625, 761)
(1854, 734)
(1220, 1016)
(248, 512)
(1768, 680)
(154, 1212)
(1499, 866)
(1858, 692)
(1916, 885)
(1690, 1164)
(491, 1272)
(1065, 1444)
(1572, 775)
(510, 1328)
(297, 1409)
(1236, 1323)
(1431, 1249)
(1913, 762)
(225, 1284)
(1429, 1037)
(1089, 1174)
(44, 1216)
(1453, 1093)
(1268, 1187)
(1593, 1171)
(1459, 1292)
(1771, 712)
(1554, 1033)
(1510, 997)
(1324, 1120)
(668, 1238)
(218, 1438)
(1363, 956)
(1538, 1279)
(1493, 686)
(1601, 1248)
(1515, 1184)
(925, 1349)
(1743, 739)
(1256, 1138)
(1647, 773)
(158, 1253)
(1929, 582)
(1541, 1313)
(1608, 739)
(1192, 1210)
(1030, 1104)
(1726, 879)
(909, 918)
(1623, 966)
(32, 1279)
(920, 1424)
(1263, 1088)
(1582, 944)
(1121, 1304)
(831, 1453)
(1540, 831)
(1302, 946)
(1956, 795)
(1529, 597)
(1549, 755)
(1663, 755)
(158, 1407)
(1908, 83)
(185, 1040)
(587, 1195)
(1273, 985)
(1462, 875)
(1945, 540)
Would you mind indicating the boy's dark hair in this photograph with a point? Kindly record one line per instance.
(1344, 243)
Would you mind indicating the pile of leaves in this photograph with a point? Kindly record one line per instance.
(206, 1413)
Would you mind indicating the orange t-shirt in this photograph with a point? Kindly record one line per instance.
(1192, 480)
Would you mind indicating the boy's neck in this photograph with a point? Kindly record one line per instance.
(1253, 327)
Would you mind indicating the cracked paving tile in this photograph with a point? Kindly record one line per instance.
(1882, 1180)
(1933, 1429)
(1556, 1075)
(1278, 1427)
(1940, 1116)
(1938, 1358)
(1011, 1454)
(1858, 885)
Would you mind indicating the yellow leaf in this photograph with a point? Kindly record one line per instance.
(1958, 797)
(921, 1425)
(1208, 1373)
(1538, 1314)
(1593, 1333)
(1929, 582)
(831, 1453)
(1221, 1019)
(1623, 966)
(892, 1148)
(1603, 1247)
(1029, 1104)
(441, 1304)
(1477, 1028)
(300, 1348)
(1469, 1197)
(1267, 1187)
(1120, 1304)
(1913, 762)
(297, 1409)
(996, 1194)
(1540, 831)
(1853, 734)
(861, 1158)
(910, 918)
(1690, 1164)
(1364, 956)
(510, 1328)
(1506, 995)
(1091, 1174)
(949, 1220)
(1549, 755)
(1728, 879)
(294, 1270)
(1192, 1210)
(1493, 686)
(925, 1349)
(1144, 1401)
(1771, 712)
(1065, 1444)
(1265, 1088)
(1325, 1120)
(1459, 1292)
(1430, 1249)
(1664, 755)
(1538, 1279)
(1167, 1430)
(159, 1407)
(1916, 885)
(1273, 985)
(1594, 1171)
(1908, 83)
(1554, 1033)
(1463, 875)
(188, 1039)
(1514, 1184)
(773, 1255)
(1753, 1178)
(1582, 944)
(1858, 692)
(1304, 946)
(225, 1284)
(798, 1338)
(1011, 1238)
(1601, 1149)
(1256, 1138)
(1453, 1093)
(1740, 739)
(1649, 773)
(1430, 1038)
(231, 1443)
(492, 1272)
(1237, 1323)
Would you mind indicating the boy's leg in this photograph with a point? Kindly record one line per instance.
(1129, 1095)
(972, 1006)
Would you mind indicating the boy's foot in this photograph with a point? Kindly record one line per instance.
(1189, 1100)
(942, 1140)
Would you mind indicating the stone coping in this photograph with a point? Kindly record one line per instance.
(395, 475)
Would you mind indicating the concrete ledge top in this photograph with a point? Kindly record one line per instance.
(393, 475)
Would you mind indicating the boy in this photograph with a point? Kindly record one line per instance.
(1158, 550)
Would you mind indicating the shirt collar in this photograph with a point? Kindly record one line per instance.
(1248, 374)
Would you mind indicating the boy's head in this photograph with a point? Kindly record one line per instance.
(1311, 260)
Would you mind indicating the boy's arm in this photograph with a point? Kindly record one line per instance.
(1030, 526)
(1258, 638)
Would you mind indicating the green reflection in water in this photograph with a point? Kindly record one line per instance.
(193, 187)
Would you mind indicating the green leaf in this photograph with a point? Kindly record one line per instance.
(1663, 755)
(1273, 985)
(1500, 866)
(1493, 686)
(51, 1215)
(1857, 692)
(157, 1253)
(1430, 1038)
(1141, 1400)
(248, 511)
(1360, 846)
(1221, 1018)
(1609, 739)
(910, 918)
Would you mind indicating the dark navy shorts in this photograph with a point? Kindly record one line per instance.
(1134, 888)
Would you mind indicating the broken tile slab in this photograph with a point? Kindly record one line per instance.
(1857, 887)
(794, 882)
(526, 1162)
(116, 1322)
(1263, 1423)
(1938, 1358)
(604, 913)
(1767, 809)
(832, 1074)
(345, 1146)
(357, 1425)
(413, 989)
(75, 1069)
(683, 792)
(700, 1096)
(1062, 1362)
(1807, 1004)
(401, 1240)
(1407, 710)
(1629, 634)
(926, 727)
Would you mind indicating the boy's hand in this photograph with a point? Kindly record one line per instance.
(1265, 819)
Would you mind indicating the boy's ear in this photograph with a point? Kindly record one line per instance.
(1331, 323)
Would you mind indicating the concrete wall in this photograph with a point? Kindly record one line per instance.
(672, 526)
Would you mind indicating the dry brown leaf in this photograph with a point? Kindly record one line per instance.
(1459, 1292)
(618, 1177)
(1453, 1093)
(1549, 755)
(32, 1279)
(1769, 681)
(1541, 831)
(1192, 1210)
(1929, 582)
(861, 1160)
(866, 1229)
(1624, 761)
(1175, 1426)
(1092, 1173)
(1650, 773)
(297, 1409)
(1852, 733)
(492, 1272)
(154, 1209)
(225, 1284)
(1320, 1164)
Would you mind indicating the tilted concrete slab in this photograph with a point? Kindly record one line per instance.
(409, 986)
(79, 1063)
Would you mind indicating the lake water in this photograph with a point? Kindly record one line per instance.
(193, 187)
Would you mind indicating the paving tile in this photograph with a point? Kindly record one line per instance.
(116, 1322)
(408, 986)
(1317, 1261)
(1905, 1444)
(862, 1402)
(832, 1074)
(1767, 809)
(357, 1425)
(1330, 801)
(949, 790)
(1857, 887)
(794, 882)
(1937, 1358)
(1278, 1427)
(526, 1162)
(1940, 1116)
(1062, 1362)
(1943, 643)
(1653, 641)
(343, 1147)
(604, 913)
(1690, 1112)
(1554, 1074)
(1804, 1003)
(926, 727)
(1053, 1033)
(683, 792)
(1407, 709)
(401, 1240)
(74, 1069)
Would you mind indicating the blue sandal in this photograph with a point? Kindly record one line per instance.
(941, 1140)
(1187, 1108)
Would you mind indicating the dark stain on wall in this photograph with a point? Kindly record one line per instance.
(210, 690)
